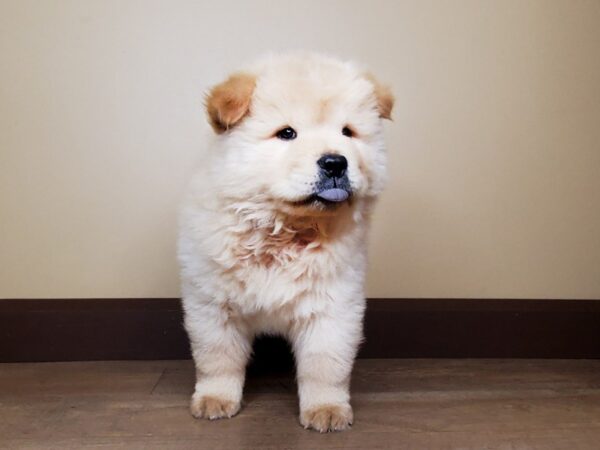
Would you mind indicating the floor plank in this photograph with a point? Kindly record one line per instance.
(400, 404)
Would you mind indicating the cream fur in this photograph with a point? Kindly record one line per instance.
(252, 261)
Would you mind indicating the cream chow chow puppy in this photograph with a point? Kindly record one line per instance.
(273, 229)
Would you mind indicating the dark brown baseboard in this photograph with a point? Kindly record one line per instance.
(111, 329)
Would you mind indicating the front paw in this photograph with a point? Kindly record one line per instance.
(213, 407)
(326, 418)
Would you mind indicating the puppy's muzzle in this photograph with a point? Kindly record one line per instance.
(333, 185)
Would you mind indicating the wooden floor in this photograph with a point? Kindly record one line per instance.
(399, 404)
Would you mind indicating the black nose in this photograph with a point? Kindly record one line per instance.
(334, 166)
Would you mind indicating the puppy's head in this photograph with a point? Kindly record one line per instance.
(302, 131)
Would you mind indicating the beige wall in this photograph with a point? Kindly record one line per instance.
(495, 147)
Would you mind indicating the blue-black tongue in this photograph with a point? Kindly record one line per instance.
(333, 195)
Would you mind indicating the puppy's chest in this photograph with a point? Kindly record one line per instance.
(263, 249)
(269, 270)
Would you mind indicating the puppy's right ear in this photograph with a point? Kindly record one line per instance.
(228, 102)
(384, 96)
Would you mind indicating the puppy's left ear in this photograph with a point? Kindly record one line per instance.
(228, 102)
(384, 96)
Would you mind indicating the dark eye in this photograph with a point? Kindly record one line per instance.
(286, 134)
(347, 132)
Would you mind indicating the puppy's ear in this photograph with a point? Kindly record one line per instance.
(384, 96)
(228, 102)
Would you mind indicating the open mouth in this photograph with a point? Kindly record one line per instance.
(327, 197)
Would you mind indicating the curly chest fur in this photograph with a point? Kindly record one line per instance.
(278, 247)
(279, 265)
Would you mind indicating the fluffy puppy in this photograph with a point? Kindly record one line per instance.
(273, 229)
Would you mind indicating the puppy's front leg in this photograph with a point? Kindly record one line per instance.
(325, 349)
(221, 349)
